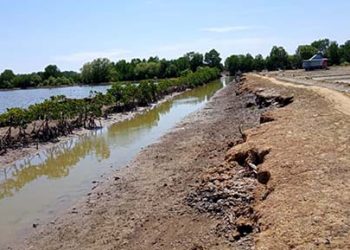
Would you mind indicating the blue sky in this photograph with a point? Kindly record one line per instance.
(35, 33)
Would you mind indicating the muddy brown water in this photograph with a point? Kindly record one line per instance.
(35, 189)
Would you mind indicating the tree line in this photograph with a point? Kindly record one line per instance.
(121, 97)
(280, 59)
(51, 76)
(103, 70)
(59, 115)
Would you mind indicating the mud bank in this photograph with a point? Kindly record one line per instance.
(145, 205)
(305, 203)
(13, 155)
(262, 166)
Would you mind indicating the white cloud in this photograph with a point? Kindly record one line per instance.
(226, 29)
(83, 57)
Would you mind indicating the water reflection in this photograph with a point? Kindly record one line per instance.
(57, 177)
(58, 160)
(54, 162)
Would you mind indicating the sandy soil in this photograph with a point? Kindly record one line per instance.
(236, 175)
(308, 204)
(337, 77)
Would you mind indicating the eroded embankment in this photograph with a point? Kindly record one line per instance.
(300, 155)
(305, 203)
(227, 191)
(145, 205)
(262, 166)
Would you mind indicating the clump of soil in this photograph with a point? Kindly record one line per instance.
(227, 192)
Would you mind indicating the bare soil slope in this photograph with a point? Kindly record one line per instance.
(309, 162)
(144, 205)
(236, 175)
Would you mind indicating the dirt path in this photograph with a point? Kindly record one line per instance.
(309, 192)
(336, 77)
(196, 188)
(340, 101)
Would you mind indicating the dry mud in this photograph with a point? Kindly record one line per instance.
(264, 166)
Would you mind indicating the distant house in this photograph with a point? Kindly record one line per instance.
(316, 62)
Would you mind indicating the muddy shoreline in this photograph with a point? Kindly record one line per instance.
(247, 171)
(152, 190)
(14, 155)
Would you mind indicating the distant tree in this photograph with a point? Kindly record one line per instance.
(345, 52)
(72, 75)
(305, 52)
(51, 70)
(146, 70)
(247, 62)
(195, 60)
(98, 71)
(294, 61)
(153, 59)
(171, 71)
(23, 81)
(333, 53)
(213, 59)
(232, 64)
(278, 58)
(125, 70)
(259, 63)
(35, 79)
(136, 61)
(182, 63)
(6, 78)
(321, 45)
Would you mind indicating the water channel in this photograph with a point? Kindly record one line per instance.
(34, 189)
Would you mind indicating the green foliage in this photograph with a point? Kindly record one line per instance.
(345, 52)
(244, 63)
(213, 59)
(171, 71)
(59, 81)
(51, 71)
(233, 64)
(305, 52)
(6, 78)
(333, 53)
(321, 45)
(102, 70)
(195, 60)
(259, 63)
(278, 58)
(128, 96)
(147, 70)
(125, 96)
(295, 61)
(98, 71)
(125, 70)
(14, 117)
(26, 80)
(182, 64)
